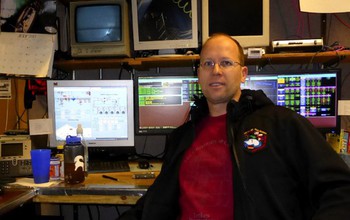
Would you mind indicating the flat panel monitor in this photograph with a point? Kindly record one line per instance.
(104, 108)
(312, 94)
(163, 102)
(99, 28)
(246, 21)
(164, 25)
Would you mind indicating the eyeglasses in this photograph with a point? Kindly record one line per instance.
(223, 64)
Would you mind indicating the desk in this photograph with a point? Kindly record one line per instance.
(13, 198)
(94, 190)
(98, 190)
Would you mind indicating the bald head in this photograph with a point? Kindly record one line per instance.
(241, 58)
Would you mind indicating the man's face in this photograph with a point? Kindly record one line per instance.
(220, 73)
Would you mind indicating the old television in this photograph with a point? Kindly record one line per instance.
(104, 108)
(313, 94)
(164, 25)
(246, 21)
(99, 28)
(163, 101)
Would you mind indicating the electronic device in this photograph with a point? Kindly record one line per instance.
(313, 94)
(163, 101)
(246, 21)
(104, 108)
(15, 157)
(300, 45)
(99, 28)
(143, 164)
(164, 25)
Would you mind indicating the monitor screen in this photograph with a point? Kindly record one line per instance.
(99, 28)
(104, 28)
(312, 94)
(163, 102)
(246, 21)
(165, 24)
(104, 108)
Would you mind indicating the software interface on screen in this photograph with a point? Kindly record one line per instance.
(311, 95)
(165, 102)
(101, 111)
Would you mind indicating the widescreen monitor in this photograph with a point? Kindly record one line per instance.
(163, 102)
(104, 108)
(312, 94)
(99, 28)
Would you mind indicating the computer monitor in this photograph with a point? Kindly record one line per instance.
(104, 108)
(246, 21)
(163, 102)
(164, 25)
(313, 94)
(99, 28)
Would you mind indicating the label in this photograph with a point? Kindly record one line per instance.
(61, 159)
(55, 168)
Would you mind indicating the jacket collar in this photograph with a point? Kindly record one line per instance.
(249, 101)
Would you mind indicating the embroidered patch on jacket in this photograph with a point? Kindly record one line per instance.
(255, 140)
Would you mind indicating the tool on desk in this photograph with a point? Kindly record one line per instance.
(149, 175)
(110, 177)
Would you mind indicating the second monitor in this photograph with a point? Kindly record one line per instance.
(163, 102)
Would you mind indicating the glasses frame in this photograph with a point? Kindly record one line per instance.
(223, 64)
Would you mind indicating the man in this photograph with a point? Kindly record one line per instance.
(243, 158)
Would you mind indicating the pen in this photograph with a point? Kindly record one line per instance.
(110, 177)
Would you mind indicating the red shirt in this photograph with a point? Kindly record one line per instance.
(206, 182)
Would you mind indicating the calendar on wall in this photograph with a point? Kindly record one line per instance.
(26, 54)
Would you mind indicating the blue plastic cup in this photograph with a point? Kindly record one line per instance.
(41, 165)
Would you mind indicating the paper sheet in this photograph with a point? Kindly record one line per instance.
(40, 126)
(26, 54)
(343, 107)
(30, 183)
(325, 6)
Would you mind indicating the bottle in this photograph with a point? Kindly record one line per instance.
(60, 155)
(74, 162)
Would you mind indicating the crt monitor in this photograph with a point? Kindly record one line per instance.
(313, 94)
(163, 101)
(99, 28)
(104, 108)
(246, 21)
(164, 25)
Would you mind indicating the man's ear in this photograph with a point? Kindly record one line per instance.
(244, 73)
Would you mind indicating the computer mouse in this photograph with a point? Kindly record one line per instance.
(144, 164)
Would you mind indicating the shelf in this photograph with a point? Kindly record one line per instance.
(144, 63)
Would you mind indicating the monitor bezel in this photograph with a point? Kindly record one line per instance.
(100, 49)
(164, 44)
(322, 129)
(245, 41)
(164, 131)
(128, 84)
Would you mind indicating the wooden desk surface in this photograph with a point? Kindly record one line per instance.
(98, 190)
(13, 198)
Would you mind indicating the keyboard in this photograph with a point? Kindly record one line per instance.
(108, 166)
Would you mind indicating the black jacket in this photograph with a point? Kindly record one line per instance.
(283, 167)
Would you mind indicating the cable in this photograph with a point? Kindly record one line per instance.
(341, 21)
(89, 211)
(7, 114)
